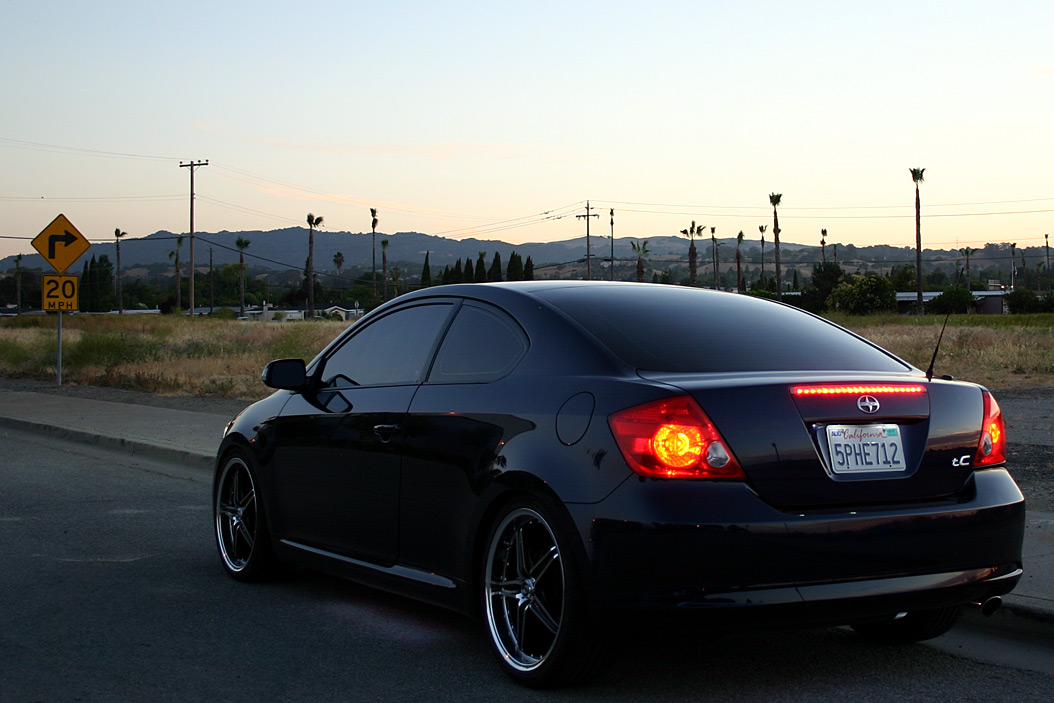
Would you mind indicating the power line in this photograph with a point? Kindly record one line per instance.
(55, 148)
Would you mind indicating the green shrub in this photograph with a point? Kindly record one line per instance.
(955, 300)
(863, 295)
(108, 349)
(1022, 301)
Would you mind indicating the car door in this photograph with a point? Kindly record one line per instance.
(458, 422)
(338, 455)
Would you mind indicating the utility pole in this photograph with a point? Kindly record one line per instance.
(212, 286)
(589, 255)
(612, 244)
(1013, 265)
(192, 165)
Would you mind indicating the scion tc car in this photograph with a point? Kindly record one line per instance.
(548, 455)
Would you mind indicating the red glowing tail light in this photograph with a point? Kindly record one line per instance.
(992, 447)
(673, 438)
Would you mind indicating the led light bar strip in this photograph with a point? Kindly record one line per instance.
(857, 390)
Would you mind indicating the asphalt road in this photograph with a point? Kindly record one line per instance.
(111, 591)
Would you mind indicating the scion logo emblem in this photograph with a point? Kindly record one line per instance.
(868, 404)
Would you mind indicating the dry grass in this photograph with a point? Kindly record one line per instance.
(175, 356)
(995, 353)
(159, 354)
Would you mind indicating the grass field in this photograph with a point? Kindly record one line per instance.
(176, 356)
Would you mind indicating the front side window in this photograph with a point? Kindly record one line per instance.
(390, 351)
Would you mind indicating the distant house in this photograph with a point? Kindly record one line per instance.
(343, 313)
(985, 302)
(267, 313)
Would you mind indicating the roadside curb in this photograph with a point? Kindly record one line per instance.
(190, 459)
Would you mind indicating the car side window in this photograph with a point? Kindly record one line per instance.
(393, 350)
(482, 345)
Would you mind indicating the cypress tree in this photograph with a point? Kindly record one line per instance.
(494, 274)
(481, 268)
(426, 273)
(528, 270)
(470, 275)
(515, 269)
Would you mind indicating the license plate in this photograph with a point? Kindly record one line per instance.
(865, 448)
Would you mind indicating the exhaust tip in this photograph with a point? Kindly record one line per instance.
(990, 605)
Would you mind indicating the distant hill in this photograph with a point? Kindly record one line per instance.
(285, 249)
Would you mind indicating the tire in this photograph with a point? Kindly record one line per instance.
(534, 604)
(242, 536)
(913, 627)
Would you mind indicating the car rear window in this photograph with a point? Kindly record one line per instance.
(679, 329)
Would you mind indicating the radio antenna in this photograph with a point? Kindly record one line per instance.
(933, 361)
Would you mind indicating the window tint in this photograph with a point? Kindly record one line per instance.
(390, 351)
(663, 328)
(482, 345)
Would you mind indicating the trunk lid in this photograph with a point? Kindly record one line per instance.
(846, 441)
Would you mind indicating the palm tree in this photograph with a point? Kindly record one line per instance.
(762, 228)
(823, 245)
(641, 250)
(373, 227)
(692, 254)
(312, 223)
(916, 176)
(175, 255)
(967, 252)
(242, 245)
(338, 261)
(384, 266)
(739, 259)
(18, 285)
(774, 200)
(117, 233)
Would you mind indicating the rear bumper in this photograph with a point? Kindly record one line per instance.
(716, 548)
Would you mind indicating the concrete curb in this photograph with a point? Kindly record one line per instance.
(194, 460)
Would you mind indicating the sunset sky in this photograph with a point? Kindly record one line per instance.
(499, 120)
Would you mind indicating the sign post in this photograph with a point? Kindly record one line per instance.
(60, 244)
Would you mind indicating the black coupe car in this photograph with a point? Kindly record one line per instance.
(549, 455)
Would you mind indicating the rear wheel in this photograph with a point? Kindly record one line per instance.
(912, 627)
(533, 600)
(242, 535)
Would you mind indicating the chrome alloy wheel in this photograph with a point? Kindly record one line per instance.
(236, 514)
(525, 589)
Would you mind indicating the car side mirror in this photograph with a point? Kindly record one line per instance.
(285, 374)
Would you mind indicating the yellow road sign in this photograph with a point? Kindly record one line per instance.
(61, 244)
(61, 293)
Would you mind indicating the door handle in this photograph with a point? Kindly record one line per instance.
(385, 432)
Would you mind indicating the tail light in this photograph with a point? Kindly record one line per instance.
(673, 438)
(992, 447)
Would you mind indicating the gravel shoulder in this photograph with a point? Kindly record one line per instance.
(1029, 414)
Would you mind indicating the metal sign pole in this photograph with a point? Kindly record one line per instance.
(58, 358)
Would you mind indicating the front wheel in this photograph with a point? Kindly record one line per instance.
(534, 602)
(911, 627)
(242, 535)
